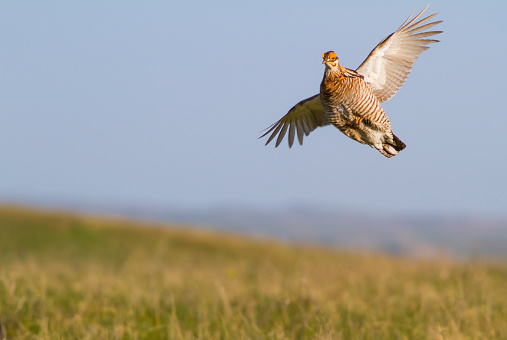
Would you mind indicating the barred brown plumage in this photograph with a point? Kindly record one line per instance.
(350, 100)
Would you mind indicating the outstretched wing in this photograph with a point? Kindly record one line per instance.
(303, 118)
(388, 65)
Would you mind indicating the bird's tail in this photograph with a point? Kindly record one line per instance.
(399, 144)
(391, 149)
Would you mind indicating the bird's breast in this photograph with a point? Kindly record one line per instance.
(347, 98)
(334, 91)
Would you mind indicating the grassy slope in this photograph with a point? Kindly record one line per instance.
(70, 277)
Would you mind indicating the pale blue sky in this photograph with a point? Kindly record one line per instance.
(161, 103)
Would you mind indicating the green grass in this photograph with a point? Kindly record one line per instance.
(64, 276)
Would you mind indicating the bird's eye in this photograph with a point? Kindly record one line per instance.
(323, 55)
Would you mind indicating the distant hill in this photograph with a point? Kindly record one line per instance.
(414, 235)
(419, 235)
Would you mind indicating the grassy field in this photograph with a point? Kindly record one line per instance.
(64, 276)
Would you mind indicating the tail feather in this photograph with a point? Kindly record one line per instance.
(399, 144)
(391, 149)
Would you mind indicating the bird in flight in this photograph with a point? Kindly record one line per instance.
(350, 100)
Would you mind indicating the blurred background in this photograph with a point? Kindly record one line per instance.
(153, 110)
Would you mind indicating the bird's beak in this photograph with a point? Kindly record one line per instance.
(324, 61)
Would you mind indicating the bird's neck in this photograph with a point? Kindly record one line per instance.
(333, 73)
(336, 73)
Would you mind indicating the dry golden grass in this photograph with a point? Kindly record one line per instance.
(70, 277)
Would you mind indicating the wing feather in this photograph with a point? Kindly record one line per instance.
(285, 125)
(388, 65)
(302, 118)
(278, 127)
(300, 131)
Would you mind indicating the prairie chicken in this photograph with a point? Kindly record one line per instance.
(350, 100)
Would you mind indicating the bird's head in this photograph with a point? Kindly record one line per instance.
(330, 59)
